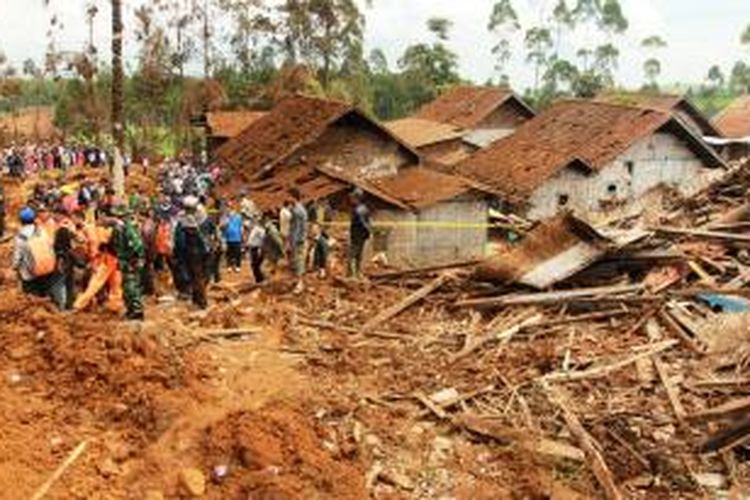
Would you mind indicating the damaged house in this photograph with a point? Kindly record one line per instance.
(679, 106)
(222, 126)
(325, 148)
(461, 121)
(734, 124)
(593, 157)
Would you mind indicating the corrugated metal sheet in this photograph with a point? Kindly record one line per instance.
(555, 250)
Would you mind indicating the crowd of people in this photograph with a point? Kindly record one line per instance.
(28, 159)
(83, 246)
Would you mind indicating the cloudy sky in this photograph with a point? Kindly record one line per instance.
(700, 33)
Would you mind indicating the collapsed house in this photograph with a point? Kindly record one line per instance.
(325, 148)
(222, 126)
(734, 124)
(461, 121)
(592, 157)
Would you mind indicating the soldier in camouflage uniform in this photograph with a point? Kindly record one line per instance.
(130, 249)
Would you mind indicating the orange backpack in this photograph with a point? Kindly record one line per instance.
(163, 239)
(42, 252)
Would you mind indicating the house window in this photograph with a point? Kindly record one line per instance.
(563, 200)
(612, 189)
(630, 165)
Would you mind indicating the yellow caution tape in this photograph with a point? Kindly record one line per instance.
(429, 224)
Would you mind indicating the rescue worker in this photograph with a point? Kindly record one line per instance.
(360, 230)
(103, 268)
(130, 253)
(191, 248)
(34, 261)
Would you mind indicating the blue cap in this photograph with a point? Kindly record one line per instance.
(27, 215)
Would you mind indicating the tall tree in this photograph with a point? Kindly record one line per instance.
(538, 43)
(503, 23)
(320, 33)
(652, 65)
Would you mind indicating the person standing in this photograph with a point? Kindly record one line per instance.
(34, 261)
(297, 237)
(192, 248)
(255, 242)
(130, 255)
(233, 236)
(285, 219)
(360, 230)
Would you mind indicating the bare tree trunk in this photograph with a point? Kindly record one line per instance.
(118, 129)
(206, 41)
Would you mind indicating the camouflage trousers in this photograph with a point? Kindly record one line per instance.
(132, 291)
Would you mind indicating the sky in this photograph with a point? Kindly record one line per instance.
(699, 33)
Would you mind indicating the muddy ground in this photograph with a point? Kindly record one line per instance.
(270, 395)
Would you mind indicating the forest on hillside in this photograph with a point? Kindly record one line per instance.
(195, 55)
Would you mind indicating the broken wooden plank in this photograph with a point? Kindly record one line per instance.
(42, 491)
(601, 371)
(409, 301)
(589, 445)
(730, 409)
(506, 333)
(727, 438)
(706, 278)
(675, 328)
(522, 438)
(553, 297)
(654, 333)
(613, 313)
(427, 402)
(422, 270)
(703, 234)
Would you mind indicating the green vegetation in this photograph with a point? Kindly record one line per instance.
(254, 52)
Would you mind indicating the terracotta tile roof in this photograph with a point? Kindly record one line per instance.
(668, 103)
(271, 193)
(409, 187)
(419, 132)
(734, 121)
(466, 106)
(587, 134)
(229, 124)
(293, 124)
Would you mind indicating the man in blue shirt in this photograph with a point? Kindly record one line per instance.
(233, 236)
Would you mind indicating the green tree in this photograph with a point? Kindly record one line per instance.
(503, 24)
(716, 77)
(538, 43)
(652, 66)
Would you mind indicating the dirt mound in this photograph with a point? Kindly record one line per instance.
(91, 363)
(276, 453)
